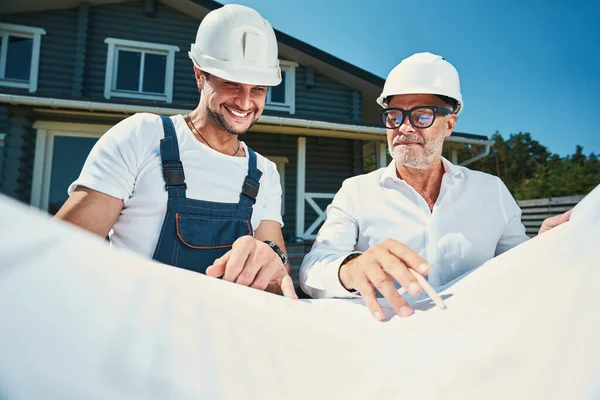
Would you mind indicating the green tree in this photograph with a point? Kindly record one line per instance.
(530, 171)
(514, 160)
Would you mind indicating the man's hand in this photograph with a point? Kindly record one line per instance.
(377, 267)
(253, 263)
(555, 221)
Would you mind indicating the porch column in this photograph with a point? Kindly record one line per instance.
(382, 156)
(300, 186)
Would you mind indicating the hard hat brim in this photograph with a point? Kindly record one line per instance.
(420, 90)
(236, 72)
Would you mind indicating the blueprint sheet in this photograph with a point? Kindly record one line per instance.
(82, 320)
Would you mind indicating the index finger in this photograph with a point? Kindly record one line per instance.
(410, 258)
(287, 285)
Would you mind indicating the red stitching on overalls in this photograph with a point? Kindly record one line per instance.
(173, 257)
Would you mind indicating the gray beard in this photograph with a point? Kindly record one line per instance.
(413, 161)
(416, 164)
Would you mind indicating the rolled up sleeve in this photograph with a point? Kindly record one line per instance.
(335, 241)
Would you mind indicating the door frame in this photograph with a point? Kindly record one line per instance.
(44, 148)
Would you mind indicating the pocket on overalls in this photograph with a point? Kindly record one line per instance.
(204, 232)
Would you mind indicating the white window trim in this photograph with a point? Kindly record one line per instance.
(111, 76)
(22, 31)
(280, 164)
(44, 149)
(290, 89)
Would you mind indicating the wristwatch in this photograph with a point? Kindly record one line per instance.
(350, 257)
(277, 249)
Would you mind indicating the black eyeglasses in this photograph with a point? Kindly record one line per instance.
(420, 117)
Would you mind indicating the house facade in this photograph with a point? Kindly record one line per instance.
(69, 70)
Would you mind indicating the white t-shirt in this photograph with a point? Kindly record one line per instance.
(125, 163)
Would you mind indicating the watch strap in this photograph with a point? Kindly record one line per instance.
(277, 249)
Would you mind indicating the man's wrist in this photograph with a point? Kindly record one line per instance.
(346, 261)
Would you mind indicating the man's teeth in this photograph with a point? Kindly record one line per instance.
(238, 114)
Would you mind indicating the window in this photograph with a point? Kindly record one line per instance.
(283, 96)
(139, 70)
(60, 152)
(19, 55)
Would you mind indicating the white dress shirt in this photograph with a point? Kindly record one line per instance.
(474, 219)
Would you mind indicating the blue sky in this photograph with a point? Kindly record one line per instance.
(525, 66)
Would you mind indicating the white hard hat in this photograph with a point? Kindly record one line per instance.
(237, 44)
(423, 73)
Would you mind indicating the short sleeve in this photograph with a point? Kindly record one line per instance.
(273, 193)
(112, 165)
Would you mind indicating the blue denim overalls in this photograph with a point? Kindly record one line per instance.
(197, 232)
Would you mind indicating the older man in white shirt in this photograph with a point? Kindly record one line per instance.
(421, 212)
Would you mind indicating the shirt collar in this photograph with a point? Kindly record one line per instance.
(390, 171)
(452, 169)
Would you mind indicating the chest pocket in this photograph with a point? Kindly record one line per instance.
(210, 232)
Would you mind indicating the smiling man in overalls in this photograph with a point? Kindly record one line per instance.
(184, 190)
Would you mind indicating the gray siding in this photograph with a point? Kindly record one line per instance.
(3, 118)
(323, 99)
(129, 22)
(326, 99)
(280, 146)
(328, 163)
(57, 55)
(80, 49)
(73, 57)
(19, 150)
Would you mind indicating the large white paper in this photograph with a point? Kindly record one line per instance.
(80, 320)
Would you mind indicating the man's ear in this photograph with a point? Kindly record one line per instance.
(450, 124)
(200, 78)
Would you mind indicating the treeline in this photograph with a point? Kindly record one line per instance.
(530, 171)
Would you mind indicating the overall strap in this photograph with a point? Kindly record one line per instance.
(251, 183)
(171, 164)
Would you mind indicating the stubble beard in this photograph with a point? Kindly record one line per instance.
(219, 120)
(413, 158)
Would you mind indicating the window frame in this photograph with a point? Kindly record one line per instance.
(46, 132)
(30, 32)
(110, 81)
(289, 67)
